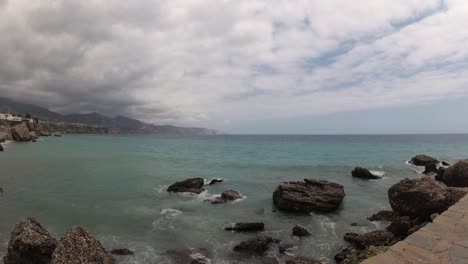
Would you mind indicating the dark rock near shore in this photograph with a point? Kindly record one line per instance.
(457, 174)
(363, 173)
(30, 243)
(422, 197)
(245, 227)
(387, 216)
(440, 174)
(1, 147)
(374, 238)
(308, 196)
(416, 228)
(430, 168)
(300, 231)
(423, 160)
(78, 246)
(20, 132)
(193, 185)
(400, 227)
(350, 255)
(188, 256)
(302, 260)
(257, 245)
(214, 181)
(122, 252)
(227, 196)
(445, 164)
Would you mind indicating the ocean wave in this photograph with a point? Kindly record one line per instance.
(170, 212)
(417, 169)
(378, 173)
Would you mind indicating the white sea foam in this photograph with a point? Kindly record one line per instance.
(378, 173)
(170, 212)
(417, 169)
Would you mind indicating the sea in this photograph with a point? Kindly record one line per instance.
(115, 185)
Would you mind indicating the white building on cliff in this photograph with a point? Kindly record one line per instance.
(10, 117)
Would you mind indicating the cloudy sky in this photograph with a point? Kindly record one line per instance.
(253, 66)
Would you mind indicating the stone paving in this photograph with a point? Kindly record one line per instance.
(445, 240)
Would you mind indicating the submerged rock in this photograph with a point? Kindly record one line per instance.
(214, 181)
(227, 196)
(363, 173)
(374, 238)
(29, 243)
(79, 246)
(193, 185)
(457, 174)
(430, 168)
(257, 245)
(20, 132)
(423, 160)
(300, 231)
(188, 256)
(384, 215)
(122, 252)
(245, 227)
(308, 196)
(422, 197)
(303, 260)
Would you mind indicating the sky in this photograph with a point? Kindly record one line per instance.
(253, 66)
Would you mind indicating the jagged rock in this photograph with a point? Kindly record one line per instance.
(422, 197)
(188, 255)
(193, 185)
(440, 174)
(20, 132)
(384, 215)
(303, 260)
(350, 255)
(430, 168)
(457, 174)
(227, 196)
(122, 252)
(257, 245)
(423, 160)
(78, 246)
(214, 181)
(300, 231)
(445, 164)
(400, 226)
(308, 196)
(374, 238)
(30, 243)
(363, 173)
(245, 227)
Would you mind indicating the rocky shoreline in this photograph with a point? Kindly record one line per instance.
(414, 203)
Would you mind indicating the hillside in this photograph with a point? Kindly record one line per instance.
(120, 123)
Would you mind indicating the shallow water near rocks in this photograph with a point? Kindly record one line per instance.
(116, 186)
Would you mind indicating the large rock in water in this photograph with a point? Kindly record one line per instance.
(20, 132)
(457, 174)
(422, 197)
(245, 227)
(257, 245)
(363, 173)
(308, 196)
(423, 160)
(193, 185)
(374, 238)
(30, 243)
(79, 246)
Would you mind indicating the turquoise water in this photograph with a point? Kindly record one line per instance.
(115, 186)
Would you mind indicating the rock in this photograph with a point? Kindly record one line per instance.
(363, 173)
(308, 196)
(226, 196)
(445, 164)
(20, 132)
(1, 147)
(214, 181)
(189, 255)
(423, 160)
(122, 252)
(430, 168)
(457, 174)
(350, 255)
(257, 245)
(194, 185)
(422, 197)
(29, 243)
(56, 134)
(260, 211)
(78, 246)
(245, 227)
(303, 260)
(416, 228)
(354, 224)
(434, 216)
(401, 226)
(300, 231)
(440, 173)
(33, 135)
(374, 238)
(387, 216)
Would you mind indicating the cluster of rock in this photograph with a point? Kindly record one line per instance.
(22, 132)
(31, 243)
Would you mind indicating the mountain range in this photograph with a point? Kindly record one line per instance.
(122, 123)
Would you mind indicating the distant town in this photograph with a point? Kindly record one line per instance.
(17, 118)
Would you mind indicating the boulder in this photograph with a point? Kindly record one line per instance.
(457, 174)
(193, 185)
(440, 174)
(400, 226)
(308, 196)
(363, 173)
(374, 238)
(257, 245)
(422, 197)
(122, 252)
(303, 260)
(245, 227)
(300, 231)
(20, 132)
(384, 215)
(78, 246)
(227, 196)
(430, 168)
(423, 160)
(350, 255)
(214, 181)
(29, 243)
